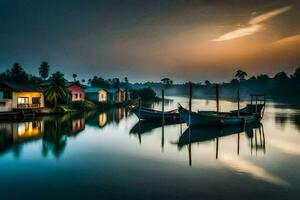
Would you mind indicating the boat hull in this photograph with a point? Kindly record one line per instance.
(215, 119)
(148, 114)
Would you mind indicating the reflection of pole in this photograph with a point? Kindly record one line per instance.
(163, 105)
(190, 148)
(217, 148)
(162, 136)
(255, 141)
(140, 138)
(251, 144)
(238, 146)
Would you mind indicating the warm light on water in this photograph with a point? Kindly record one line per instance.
(108, 155)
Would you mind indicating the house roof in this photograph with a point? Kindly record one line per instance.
(68, 84)
(21, 86)
(112, 90)
(93, 89)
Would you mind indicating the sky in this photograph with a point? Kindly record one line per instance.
(148, 40)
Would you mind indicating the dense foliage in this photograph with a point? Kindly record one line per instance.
(146, 94)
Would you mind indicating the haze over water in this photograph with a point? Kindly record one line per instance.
(101, 155)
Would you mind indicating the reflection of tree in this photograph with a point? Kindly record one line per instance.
(53, 139)
(281, 119)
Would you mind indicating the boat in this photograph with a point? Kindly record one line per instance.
(150, 114)
(212, 118)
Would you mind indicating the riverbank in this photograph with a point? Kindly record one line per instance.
(72, 107)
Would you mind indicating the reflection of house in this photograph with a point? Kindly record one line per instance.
(14, 95)
(19, 132)
(27, 130)
(96, 94)
(102, 119)
(78, 125)
(116, 95)
(119, 114)
(76, 91)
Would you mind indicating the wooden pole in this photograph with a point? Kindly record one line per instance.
(190, 98)
(238, 97)
(217, 97)
(163, 105)
(190, 103)
(139, 108)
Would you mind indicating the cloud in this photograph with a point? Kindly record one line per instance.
(241, 32)
(266, 16)
(247, 167)
(255, 25)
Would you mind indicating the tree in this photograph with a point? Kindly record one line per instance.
(241, 74)
(296, 75)
(126, 80)
(18, 73)
(57, 91)
(116, 83)
(98, 82)
(167, 81)
(281, 76)
(74, 76)
(207, 82)
(44, 70)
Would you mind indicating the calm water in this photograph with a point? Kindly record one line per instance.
(111, 156)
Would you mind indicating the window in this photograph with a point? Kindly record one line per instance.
(36, 100)
(76, 96)
(23, 100)
(80, 95)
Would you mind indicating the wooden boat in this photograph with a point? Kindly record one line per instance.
(150, 114)
(211, 118)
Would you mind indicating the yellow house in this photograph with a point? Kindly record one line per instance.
(20, 95)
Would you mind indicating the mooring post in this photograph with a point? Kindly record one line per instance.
(217, 97)
(238, 97)
(190, 98)
(139, 107)
(163, 105)
(190, 102)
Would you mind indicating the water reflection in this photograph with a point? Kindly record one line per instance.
(254, 132)
(53, 130)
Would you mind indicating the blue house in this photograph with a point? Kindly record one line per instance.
(96, 94)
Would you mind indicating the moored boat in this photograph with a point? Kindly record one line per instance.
(150, 114)
(211, 118)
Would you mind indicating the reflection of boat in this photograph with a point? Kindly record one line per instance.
(150, 114)
(144, 126)
(211, 118)
(201, 134)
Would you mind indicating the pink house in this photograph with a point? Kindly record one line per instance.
(76, 91)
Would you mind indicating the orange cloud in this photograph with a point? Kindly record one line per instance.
(255, 25)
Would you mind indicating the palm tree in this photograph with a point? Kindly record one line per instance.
(57, 90)
(44, 70)
(74, 76)
(17, 73)
(241, 74)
